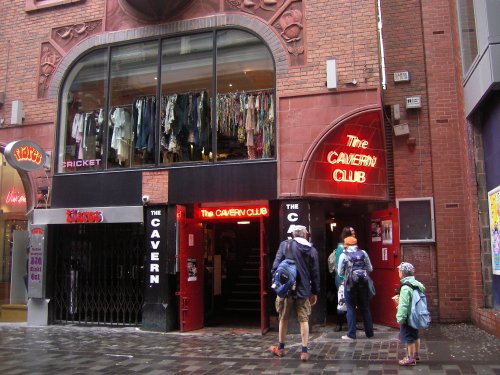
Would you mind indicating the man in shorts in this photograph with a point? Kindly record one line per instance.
(305, 293)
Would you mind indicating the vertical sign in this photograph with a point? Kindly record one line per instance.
(293, 213)
(156, 244)
(37, 260)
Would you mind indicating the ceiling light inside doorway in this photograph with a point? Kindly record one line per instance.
(243, 222)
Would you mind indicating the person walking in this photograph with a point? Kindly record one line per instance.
(355, 265)
(407, 334)
(306, 291)
(333, 261)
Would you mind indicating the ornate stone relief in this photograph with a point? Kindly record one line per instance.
(66, 37)
(285, 16)
(49, 59)
(62, 39)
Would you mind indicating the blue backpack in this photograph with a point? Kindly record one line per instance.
(419, 317)
(285, 276)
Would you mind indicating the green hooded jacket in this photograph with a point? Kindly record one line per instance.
(405, 293)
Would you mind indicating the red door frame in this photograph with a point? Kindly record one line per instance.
(191, 270)
(191, 297)
(264, 316)
(385, 255)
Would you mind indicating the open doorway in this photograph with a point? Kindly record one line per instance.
(232, 283)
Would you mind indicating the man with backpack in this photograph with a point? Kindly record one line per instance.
(355, 265)
(306, 290)
(407, 334)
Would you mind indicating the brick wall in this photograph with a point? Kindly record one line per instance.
(155, 184)
(21, 37)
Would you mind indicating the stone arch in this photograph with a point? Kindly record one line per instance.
(252, 24)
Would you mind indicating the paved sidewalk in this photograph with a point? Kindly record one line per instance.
(446, 349)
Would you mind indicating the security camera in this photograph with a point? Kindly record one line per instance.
(145, 199)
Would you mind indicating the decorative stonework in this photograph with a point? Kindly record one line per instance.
(66, 37)
(49, 59)
(290, 25)
(285, 16)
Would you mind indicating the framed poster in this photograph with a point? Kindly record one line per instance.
(494, 208)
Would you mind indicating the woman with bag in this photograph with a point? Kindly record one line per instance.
(333, 261)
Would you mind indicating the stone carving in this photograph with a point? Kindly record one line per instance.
(290, 25)
(67, 36)
(251, 6)
(49, 59)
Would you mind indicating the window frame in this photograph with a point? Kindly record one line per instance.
(157, 164)
(429, 220)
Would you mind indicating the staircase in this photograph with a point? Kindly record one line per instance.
(244, 294)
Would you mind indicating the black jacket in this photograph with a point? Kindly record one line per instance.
(306, 259)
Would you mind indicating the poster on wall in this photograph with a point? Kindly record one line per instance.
(387, 232)
(376, 230)
(192, 270)
(494, 208)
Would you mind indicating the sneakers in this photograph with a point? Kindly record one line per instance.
(304, 356)
(345, 337)
(417, 357)
(407, 361)
(277, 351)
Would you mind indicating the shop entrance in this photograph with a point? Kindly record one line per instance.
(231, 264)
(377, 232)
(97, 273)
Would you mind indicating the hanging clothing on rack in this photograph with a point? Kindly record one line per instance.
(121, 139)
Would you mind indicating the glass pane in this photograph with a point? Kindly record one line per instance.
(83, 99)
(415, 220)
(245, 97)
(186, 79)
(132, 132)
(467, 26)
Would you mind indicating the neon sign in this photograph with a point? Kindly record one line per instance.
(15, 198)
(233, 212)
(81, 217)
(346, 158)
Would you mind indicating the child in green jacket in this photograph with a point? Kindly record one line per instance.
(407, 334)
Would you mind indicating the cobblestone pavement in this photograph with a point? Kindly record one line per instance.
(446, 349)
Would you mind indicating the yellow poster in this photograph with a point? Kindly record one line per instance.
(493, 202)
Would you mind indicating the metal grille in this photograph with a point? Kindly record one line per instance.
(98, 273)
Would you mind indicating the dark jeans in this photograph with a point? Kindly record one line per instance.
(358, 296)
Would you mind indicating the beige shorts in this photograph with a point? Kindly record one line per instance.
(284, 308)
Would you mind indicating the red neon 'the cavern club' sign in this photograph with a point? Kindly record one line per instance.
(229, 212)
(350, 162)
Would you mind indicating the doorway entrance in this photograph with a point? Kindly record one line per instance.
(230, 285)
(232, 272)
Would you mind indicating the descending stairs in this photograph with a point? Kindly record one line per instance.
(244, 295)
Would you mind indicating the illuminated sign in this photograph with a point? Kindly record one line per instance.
(25, 155)
(350, 161)
(233, 212)
(356, 159)
(15, 198)
(82, 217)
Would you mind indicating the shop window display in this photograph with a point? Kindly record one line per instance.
(168, 103)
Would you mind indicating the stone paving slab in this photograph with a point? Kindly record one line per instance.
(451, 349)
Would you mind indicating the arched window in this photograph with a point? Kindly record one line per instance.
(198, 98)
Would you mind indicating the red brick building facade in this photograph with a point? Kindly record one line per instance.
(43, 40)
